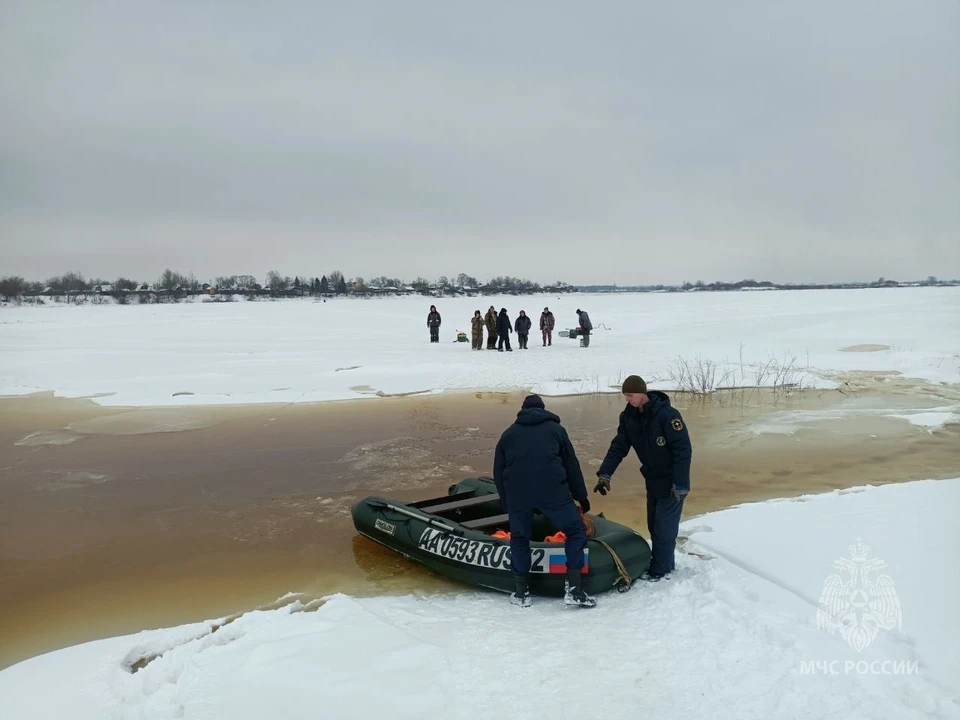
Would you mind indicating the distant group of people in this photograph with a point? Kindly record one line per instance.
(499, 327)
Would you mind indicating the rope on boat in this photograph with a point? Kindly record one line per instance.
(621, 568)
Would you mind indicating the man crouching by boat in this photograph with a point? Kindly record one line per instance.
(535, 467)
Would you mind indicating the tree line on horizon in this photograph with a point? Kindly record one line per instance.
(336, 283)
(333, 283)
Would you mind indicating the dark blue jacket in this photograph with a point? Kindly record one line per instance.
(660, 438)
(535, 464)
(503, 325)
(584, 319)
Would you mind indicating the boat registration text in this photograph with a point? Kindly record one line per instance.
(495, 556)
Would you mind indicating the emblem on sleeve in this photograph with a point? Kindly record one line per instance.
(676, 424)
(661, 441)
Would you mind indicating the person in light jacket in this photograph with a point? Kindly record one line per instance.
(490, 320)
(476, 327)
(547, 323)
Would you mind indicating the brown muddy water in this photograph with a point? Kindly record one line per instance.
(116, 520)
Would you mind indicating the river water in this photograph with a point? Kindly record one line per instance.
(116, 520)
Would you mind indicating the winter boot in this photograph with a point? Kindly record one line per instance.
(522, 595)
(573, 594)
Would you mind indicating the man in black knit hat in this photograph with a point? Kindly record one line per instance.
(535, 467)
(657, 433)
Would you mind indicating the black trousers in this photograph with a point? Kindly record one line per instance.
(663, 522)
(565, 517)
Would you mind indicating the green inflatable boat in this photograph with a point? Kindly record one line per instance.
(453, 535)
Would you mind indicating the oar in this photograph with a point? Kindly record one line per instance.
(404, 511)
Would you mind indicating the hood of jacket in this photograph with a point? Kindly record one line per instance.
(535, 416)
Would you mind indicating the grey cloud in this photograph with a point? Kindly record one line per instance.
(713, 140)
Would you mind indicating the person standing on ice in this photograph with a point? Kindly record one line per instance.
(476, 328)
(491, 321)
(536, 467)
(657, 433)
(585, 326)
(547, 323)
(523, 330)
(433, 322)
(503, 330)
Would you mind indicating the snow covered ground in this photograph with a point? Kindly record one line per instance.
(307, 350)
(733, 634)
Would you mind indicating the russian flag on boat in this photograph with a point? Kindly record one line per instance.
(558, 562)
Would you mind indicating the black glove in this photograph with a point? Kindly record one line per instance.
(678, 494)
(603, 485)
(585, 505)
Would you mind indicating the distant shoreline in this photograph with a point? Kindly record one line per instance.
(205, 290)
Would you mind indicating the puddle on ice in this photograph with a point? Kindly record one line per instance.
(866, 348)
(134, 422)
(48, 437)
(142, 421)
(870, 414)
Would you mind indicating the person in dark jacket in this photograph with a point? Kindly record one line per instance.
(523, 329)
(657, 433)
(536, 467)
(476, 328)
(547, 323)
(433, 322)
(585, 326)
(490, 320)
(503, 330)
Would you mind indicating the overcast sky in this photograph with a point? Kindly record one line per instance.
(585, 141)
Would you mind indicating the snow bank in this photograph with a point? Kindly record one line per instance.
(308, 350)
(795, 544)
(731, 635)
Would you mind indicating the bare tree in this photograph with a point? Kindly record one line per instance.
(68, 282)
(421, 285)
(171, 280)
(12, 286)
(124, 285)
(276, 282)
